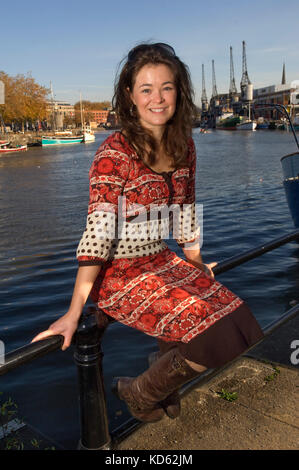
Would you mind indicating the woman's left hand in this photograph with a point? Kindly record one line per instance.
(206, 268)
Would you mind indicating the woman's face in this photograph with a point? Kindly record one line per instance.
(154, 94)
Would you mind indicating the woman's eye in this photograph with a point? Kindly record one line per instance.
(145, 90)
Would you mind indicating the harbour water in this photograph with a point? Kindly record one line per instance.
(43, 203)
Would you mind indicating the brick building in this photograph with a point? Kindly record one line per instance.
(99, 116)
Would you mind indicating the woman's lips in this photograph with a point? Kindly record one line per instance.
(157, 110)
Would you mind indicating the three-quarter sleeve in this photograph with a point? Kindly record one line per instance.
(107, 177)
(189, 223)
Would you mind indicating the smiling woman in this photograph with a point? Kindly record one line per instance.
(156, 71)
(131, 274)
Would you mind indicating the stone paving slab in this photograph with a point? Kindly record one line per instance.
(268, 389)
(263, 417)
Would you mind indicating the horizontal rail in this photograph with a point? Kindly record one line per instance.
(29, 352)
(251, 254)
(32, 351)
(88, 358)
(272, 326)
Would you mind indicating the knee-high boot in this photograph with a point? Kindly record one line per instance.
(144, 393)
(172, 403)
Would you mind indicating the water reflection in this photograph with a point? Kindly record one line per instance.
(43, 204)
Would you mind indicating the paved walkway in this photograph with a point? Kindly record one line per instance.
(263, 416)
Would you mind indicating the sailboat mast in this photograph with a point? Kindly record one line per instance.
(81, 110)
(53, 109)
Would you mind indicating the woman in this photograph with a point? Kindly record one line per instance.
(137, 176)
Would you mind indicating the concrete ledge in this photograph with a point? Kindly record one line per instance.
(263, 417)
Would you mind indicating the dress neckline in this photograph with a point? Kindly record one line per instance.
(162, 173)
(159, 172)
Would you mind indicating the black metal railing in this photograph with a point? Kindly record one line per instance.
(283, 110)
(94, 431)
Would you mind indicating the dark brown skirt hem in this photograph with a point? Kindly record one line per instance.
(222, 342)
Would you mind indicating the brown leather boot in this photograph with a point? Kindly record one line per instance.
(144, 393)
(172, 403)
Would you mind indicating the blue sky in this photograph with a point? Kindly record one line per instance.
(78, 45)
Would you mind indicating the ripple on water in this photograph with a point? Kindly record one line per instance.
(44, 195)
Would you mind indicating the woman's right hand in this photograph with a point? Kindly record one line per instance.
(65, 326)
(68, 323)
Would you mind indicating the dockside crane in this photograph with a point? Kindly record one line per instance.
(204, 98)
(233, 94)
(214, 98)
(214, 86)
(245, 85)
(232, 85)
(214, 109)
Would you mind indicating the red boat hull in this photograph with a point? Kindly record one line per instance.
(13, 149)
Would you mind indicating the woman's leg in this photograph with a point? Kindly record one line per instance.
(166, 375)
(165, 346)
(182, 362)
(197, 367)
(171, 404)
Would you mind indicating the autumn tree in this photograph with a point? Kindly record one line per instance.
(93, 105)
(25, 100)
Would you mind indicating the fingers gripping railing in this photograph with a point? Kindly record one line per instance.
(29, 352)
(88, 358)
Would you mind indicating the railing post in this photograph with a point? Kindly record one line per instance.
(92, 400)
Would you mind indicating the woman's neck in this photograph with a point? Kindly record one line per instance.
(157, 132)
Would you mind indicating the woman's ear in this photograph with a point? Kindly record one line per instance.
(130, 95)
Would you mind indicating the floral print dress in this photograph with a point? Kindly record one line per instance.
(143, 283)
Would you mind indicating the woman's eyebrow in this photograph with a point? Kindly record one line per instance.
(150, 84)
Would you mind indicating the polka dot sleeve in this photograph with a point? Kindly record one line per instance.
(189, 227)
(107, 177)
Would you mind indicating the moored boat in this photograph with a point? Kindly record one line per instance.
(88, 134)
(9, 149)
(228, 124)
(290, 168)
(261, 123)
(89, 137)
(61, 140)
(246, 125)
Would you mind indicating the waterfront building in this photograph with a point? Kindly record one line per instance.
(286, 94)
(99, 116)
(66, 109)
(106, 118)
(59, 111)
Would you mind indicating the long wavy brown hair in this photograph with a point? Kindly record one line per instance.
(179, 128)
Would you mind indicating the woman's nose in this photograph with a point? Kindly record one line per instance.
(158, 96)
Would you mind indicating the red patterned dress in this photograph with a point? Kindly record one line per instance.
(143, 283)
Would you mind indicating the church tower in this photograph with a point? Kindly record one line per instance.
(283, 80)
